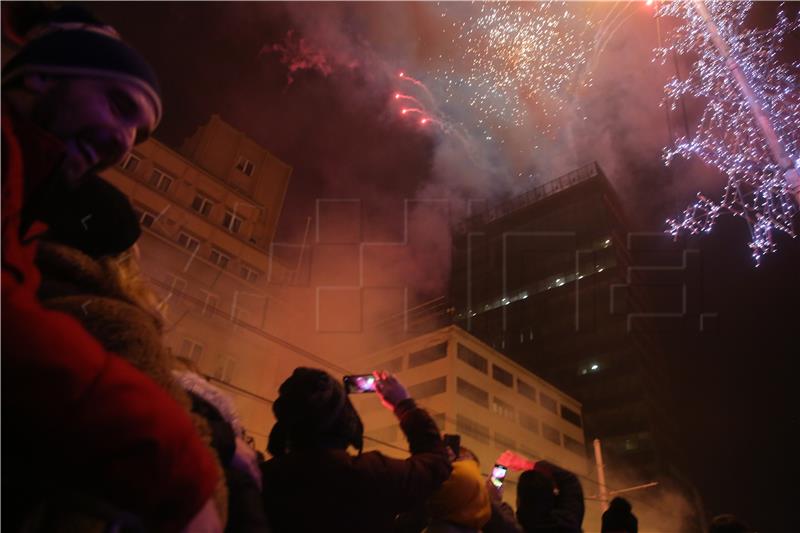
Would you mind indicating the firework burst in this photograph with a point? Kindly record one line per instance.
(518, 60)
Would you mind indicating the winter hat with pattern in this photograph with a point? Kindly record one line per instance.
(74, 43)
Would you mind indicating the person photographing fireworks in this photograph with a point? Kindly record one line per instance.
(549, 499)
(76, 98)
(313, 483)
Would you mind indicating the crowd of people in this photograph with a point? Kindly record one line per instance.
(144, 441)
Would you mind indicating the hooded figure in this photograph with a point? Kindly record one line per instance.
(461, 505)
(618, 518)
(549, 499)
(312, 482)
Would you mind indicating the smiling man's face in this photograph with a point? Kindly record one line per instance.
(99, 120)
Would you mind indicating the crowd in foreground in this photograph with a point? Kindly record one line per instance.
(145, 442)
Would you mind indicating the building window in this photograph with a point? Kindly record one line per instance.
(473, 393)
(428, 355)
(249, 273)
(551, 434)
(223, 370)
(526, 390)
(232, 221)
(202, 204)
(479, 363)
(427, 389)
(191, 350)
(210, 303)
(467, 426)
(188, 242)
(503, 376)
(574, 446)
(160, 181)
(504, 442)
(504, 409)
(571, 416)
(245, 166)
(528, 422)
(548, 403)
(130, 163)
(147, 218)
(393, 365)
(219, 258)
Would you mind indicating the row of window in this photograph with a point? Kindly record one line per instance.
(131, 162)
(526, 390)
(210, 301)
(481, 433)
(217, 256)
(202, 204)
(551, 283)
(481, 364)
(498, 406)
(223, 366)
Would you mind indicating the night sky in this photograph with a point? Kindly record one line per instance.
(335, 123)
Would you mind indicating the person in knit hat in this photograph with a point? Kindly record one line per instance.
(549, 499)
(461, 505)
(75, 99)
(313, 483)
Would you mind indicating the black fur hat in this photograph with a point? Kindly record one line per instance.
(313, 411)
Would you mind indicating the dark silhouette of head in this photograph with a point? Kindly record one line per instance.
(535, 499)
(313, 411)
(619, 518)
(727, 523)
(95, 218)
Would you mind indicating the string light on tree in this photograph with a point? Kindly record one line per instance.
(748, 129)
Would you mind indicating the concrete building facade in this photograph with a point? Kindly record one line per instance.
(208, 217)
(473, 390)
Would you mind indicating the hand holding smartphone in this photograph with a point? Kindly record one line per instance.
(498, 475)
(359, 384)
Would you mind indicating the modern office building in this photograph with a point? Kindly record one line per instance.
(543, 279)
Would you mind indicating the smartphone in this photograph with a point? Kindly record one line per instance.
(453, 442)
(359, 384)
(498, 475)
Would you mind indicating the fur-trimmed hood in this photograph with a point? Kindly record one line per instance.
(115, 306)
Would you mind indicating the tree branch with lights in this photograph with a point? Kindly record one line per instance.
(749, 128)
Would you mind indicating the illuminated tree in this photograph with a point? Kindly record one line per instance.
(749, 127)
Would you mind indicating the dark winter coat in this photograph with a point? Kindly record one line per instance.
(331, 490)
(566, 515)
(78, 413)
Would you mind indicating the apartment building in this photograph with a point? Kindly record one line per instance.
(208, 214)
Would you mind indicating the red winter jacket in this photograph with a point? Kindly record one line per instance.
(80, 417)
